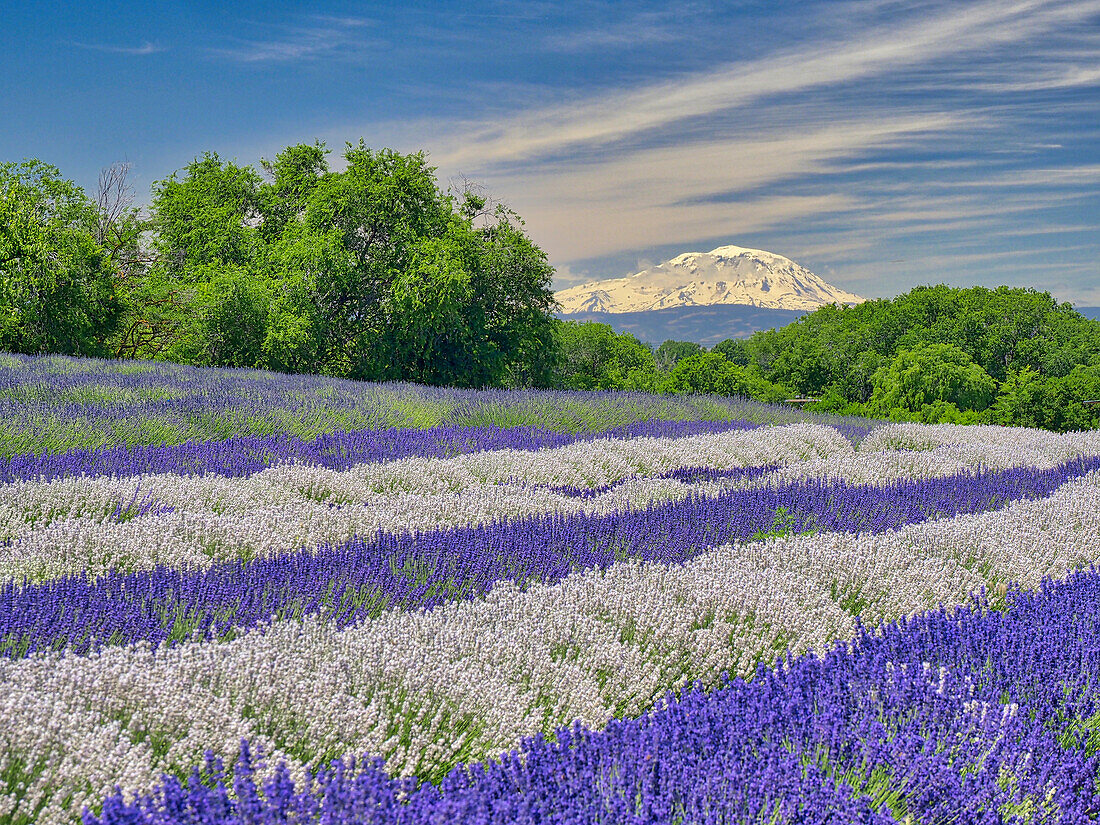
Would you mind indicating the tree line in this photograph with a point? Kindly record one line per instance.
(935, 354)
(375, 273)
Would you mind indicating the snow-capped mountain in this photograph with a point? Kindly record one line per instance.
(726, 275)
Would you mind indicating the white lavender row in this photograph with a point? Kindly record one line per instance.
(362, 577)
(469, 679)
(914, 450)
(49, 529)
(96, 525)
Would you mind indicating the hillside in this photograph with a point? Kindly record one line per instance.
(706, 325)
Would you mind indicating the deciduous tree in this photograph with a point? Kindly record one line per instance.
(930, 373)
(57, 282)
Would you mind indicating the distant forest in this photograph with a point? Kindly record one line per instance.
(375, 273)
(935, 354)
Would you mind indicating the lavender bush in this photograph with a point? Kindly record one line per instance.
(363, 577)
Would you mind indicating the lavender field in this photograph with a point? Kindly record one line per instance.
(242, 597)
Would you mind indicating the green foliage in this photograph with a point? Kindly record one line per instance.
(712, 372)
(736, 351)
(304, 264)
(370, 273)
(295, 173)
(206, 217)
(1083, 382)
(228, 323)
(436, 345)
(57, 282)
(672, 352)
(1033, 400)
(999, 329)
(831, 401)
(592, 356)
(204, 300)
(930, 374)
(515, 303)
(1020, 348)
(782, 527)
(1023, 400)
(375, 214)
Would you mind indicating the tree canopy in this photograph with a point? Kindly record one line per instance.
(372, 272)
(58, 290)
(929, 374)
(937, 353)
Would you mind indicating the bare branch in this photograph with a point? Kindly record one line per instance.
(474, 199)
(114, 200)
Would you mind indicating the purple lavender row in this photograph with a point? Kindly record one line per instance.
(972, 715)
(362, 577)
(244, 455)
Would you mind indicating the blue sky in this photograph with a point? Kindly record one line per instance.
(882, 144)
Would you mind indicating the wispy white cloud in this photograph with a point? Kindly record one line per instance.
(1087, 174)
(1049, 229)
(1068, 78)
(677, 194)
(146, 47)
(322, 36)
(612, 117)
(631, 32)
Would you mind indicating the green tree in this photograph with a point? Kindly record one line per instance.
(295, 173)
(1081, 384)
(736, 350)
(837, 352)
(380, 209)
(227, 320)
(369, 273)
(856, 381)
(712, 372)
(513, 303)
(204, 299)
(306, 265)
(1024, 400)
(431, 338)
(672, 352)
(931, 373)
(392, 280)
(57, 283)
(1002, 330)
(592, 356)
(208, 216)
(1030, 399)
